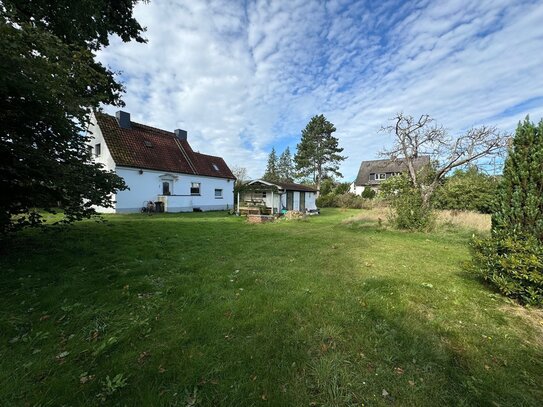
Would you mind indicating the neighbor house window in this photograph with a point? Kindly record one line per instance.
(380, 176)
(97, 149)
(195, 188)
(166, 188)
(218, 193)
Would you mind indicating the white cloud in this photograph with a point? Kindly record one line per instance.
(242, 77)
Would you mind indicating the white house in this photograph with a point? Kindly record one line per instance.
(278, 196)
(158, 166)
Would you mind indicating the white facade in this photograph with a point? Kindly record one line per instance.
(356, 189)
(147, 185)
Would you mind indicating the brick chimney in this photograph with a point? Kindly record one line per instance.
(124, 119)
(181, 134)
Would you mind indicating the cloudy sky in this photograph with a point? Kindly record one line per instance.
(243, 77)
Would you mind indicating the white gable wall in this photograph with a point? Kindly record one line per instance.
(104, 158)
(96, 137)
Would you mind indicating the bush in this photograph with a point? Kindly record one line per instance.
(512, 264)
(347, 201)
(326, 201)
(368, 193)
(468, 190)
(512, 258)
(351, 201)
(409, 213)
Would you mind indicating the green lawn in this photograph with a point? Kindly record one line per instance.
(205, 309)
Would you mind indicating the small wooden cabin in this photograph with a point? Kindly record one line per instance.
(276, 197)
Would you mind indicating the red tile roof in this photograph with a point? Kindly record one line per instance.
(150, 148)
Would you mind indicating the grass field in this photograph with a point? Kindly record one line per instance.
(204, 309)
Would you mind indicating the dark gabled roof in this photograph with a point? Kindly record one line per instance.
(385, 166)
(289, 186)
(150, 148)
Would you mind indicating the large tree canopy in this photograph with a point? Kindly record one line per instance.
(49, 83)
(318, 153)
(417, 138)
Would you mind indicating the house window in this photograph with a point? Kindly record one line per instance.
(218, 193)
(97, 150)
(195, 188)
(380, 177)
(166, 188)
(215, 167)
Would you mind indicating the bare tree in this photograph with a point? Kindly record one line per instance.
(417, 138)
(240, 173)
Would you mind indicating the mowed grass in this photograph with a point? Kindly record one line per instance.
(205, 309)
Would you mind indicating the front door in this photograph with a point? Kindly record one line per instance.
(302, 201)
(290, 200)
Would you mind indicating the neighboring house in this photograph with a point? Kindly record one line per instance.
(278, 196)
(372, 173)
(158, 166)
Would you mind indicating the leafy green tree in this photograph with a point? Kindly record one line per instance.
(342, 188)
(368, 193)
(318, 153)
(271, 173)
(512, 258)
(520, 203)
(327, 186)
(468, 189)
(50, 82)
(285, 166)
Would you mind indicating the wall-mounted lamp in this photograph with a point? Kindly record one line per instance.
(140, 171)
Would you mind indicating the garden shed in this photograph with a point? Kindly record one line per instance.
(275, 197)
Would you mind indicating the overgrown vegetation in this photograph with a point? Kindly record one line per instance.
(468, 190)
(512, 258)
(201, 310)
(336, 195)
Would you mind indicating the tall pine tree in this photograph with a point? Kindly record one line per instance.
(318, 153)
(520, 204)
(285, 166)
(512, 258)
(271, 168)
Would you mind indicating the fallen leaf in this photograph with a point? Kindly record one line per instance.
(86, 379)
(398, 370)
(45, 317)
(143, 357)
(161, 369)
(385, 393)
(62, 355)
(411, 382)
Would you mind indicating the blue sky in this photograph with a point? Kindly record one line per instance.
(244, 76)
